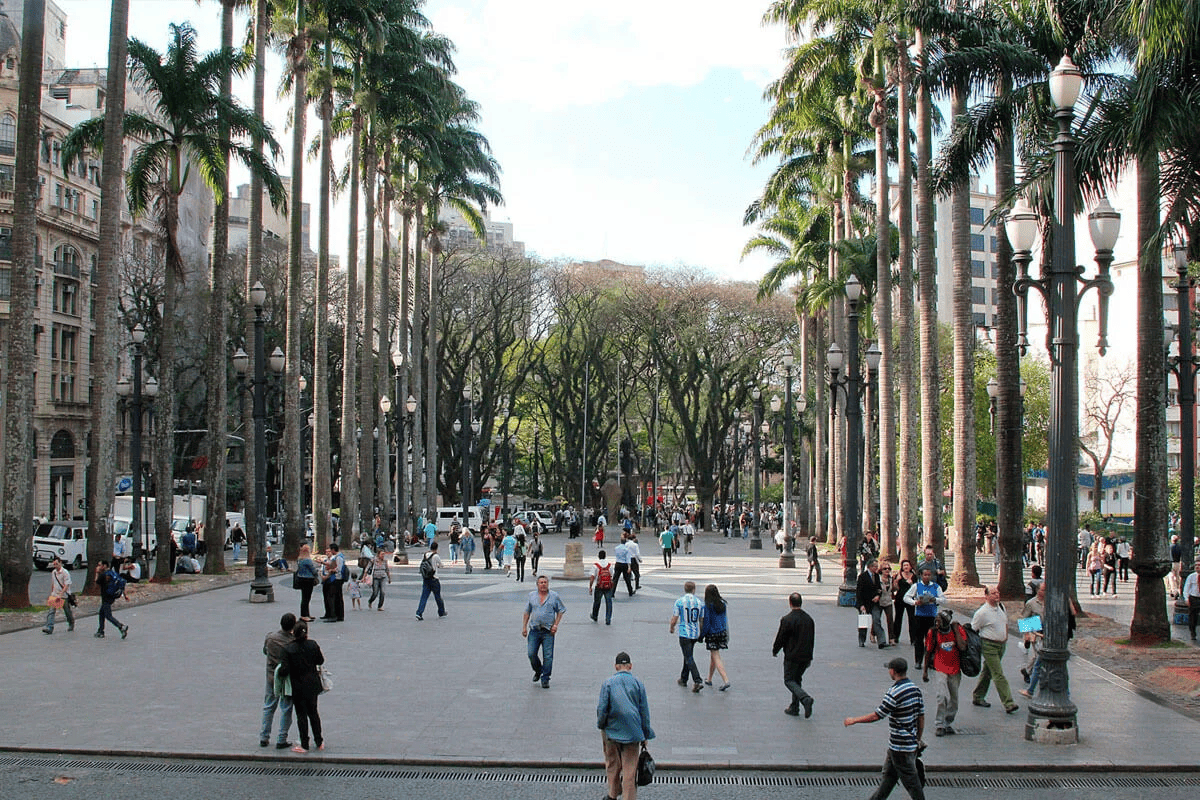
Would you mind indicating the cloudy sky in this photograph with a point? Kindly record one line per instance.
(622, 129)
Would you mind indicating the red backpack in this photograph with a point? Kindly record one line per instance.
(604, 578)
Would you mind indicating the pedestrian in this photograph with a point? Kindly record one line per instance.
(331, 584)
(635, 560)
(904, 707)
(519, 556)
(602, 586)
(1174, 579)
(60, 596)
(488, 541)
(868, 594)
(795, 639)
(688, 617)
(301, 657)
(1109, 564)
(508, 547)
(621, 569)
(380, 573)
(666, 540)
(814, 561)
(939, 570)
(118, 548)
(991, 622)
(1035, 581)
(715, 632)
(623, 717)
(356, 590)
(273, 648)
(598, 537)
(886, 602)
(900, 609)
(943, 644)
(1191, 591)
(1124, 553)
(544, 611)
(430, 532)
(689, 533)
(306, 578)
(780, 539)
(1034, 607)
(430, 584)
(111, 589)
(924, 596)
(1095, 567)
(535, 551)
(455, 535)
(237, 537)
(467, 543)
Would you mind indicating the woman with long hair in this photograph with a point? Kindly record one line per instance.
(301, 658)
(306, 579)
(901, 584)
(715, 632)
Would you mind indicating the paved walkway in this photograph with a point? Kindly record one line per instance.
(189, 680)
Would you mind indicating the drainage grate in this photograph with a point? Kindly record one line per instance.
(750, 779)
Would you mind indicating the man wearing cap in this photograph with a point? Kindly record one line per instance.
(623, 716)
(904, 707)
(795, 639)
(991, 621)
(943, 643)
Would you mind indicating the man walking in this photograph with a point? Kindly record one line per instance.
(602, 586)
(924, 596)
(273, 648)
(666, 541)
(430, 584)
(621, 557)
(623, 717)
(688, 616)
(331, 585)
(870, 591)
(904, 707)
(635, 560)
(543, 612)
(795, 639)
(112, 587)
(991, 621)
(814, 561)
(60, 597)
(943, 644)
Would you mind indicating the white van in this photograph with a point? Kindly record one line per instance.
(65, 539)
(447, 515)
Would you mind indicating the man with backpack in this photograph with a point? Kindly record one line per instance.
(430, 584)
(334, 575)
(112, 587)
(991, 621)
(602, 584)
(944, 643)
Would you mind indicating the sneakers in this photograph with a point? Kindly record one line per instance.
(981, 703)
(708, 683)
(792, 712)
(682, 681)
(808, 705)
(537, 676)
(278, 745)
(99, 634)
(1011, 709)
(545, 683)
(940, 732)
(124, 631)
(263, 742)
(696, 689)
(47, 630)
(419, 617)
(948, 731)
(725, 686)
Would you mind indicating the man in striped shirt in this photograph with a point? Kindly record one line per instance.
(689, 612)
(904, 707)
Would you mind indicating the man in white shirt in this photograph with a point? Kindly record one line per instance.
(991, 622)
(780, 539)
(635, 560)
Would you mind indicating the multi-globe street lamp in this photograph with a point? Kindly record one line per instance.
(1183, 367)
(260, 587)
(138, 530)
(1052, 715)
(398, 422)
(756, 531)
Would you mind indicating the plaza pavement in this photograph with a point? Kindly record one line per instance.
(189, 680)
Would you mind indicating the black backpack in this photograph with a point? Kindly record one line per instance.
(427, 568)
(970, 661)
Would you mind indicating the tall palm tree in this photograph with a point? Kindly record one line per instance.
(16, 555)
(182, 128)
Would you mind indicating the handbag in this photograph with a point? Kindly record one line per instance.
(645, 768)
(283, 683)
(864, 621)
(326, 678)
(55, 602)
(71, 600)
(297, 581)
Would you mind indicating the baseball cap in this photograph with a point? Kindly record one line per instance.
(623, 658)
(897, 665)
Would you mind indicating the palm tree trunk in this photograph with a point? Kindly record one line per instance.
(16, 549)
(883, 321)
(963, 499)
(321, 483)
(293, 529)
(931, 415)
(366, 362)
(106, 366)
(348, 466)
(383, 483)
(431, 377)
(820, 436)
(216, 406)
(165, 404)
(1151, 554)
(421, 469)
(906, 354)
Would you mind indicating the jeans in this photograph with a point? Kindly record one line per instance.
(454, 551)
(947, 698)
(689, 661)
(876, 625)
(270, 701)
(992, 671)
(431, 586)
(377, 591)
(607, 596)
(70, 615)
(520, 568)
(900, 767)
(106, 614)
(793, 679)
(543, 638)
(467, 560)
(1096, 579)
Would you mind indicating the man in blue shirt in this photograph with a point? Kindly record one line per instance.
(543, 611)
(689, 613)
(904, 707)
(623, 716)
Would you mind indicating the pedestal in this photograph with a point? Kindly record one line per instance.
(787, 561)
(573, 563)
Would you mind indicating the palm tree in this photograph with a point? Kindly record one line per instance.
(182, 128)
(16, 553)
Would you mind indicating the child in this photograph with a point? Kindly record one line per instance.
(355, 591)
(599, 537)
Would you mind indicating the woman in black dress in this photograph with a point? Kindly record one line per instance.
(902, 610)
(300, 660)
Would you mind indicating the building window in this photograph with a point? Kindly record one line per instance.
(1090, 493)
(8, 135)
(980, 319)
(976, 216)
(1129, 494)
(978, 296)
(977, 242)
(8, 174)
(1116, 495)
(977, 268)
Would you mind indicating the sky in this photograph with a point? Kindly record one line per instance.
(622, 129)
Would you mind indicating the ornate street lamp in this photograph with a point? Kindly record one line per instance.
(465, 427)
(1183, 367)
(138, 530)
(756, 531)
(1052, 714)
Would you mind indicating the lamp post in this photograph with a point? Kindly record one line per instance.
(137, 529)
(756, 530)
(851, 385)
(260, 587)
(1052, 716)
(536, 457)
(1183, 367)
(788, 559)
(464, 426)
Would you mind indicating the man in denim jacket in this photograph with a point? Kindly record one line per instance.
(623, 716)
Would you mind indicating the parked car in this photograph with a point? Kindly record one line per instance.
(541, 515)
(65, 539)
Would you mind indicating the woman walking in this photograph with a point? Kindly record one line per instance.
(1095, 567)
(380, 572)
(887, 601)
(535, 551)
(301, 658)
(467, 545)
(901, 584)
(715, 632)
(306, 579)
(519, 555)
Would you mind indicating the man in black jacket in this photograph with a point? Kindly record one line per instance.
(795, 639)
(869, 591)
